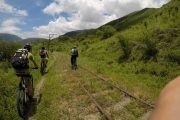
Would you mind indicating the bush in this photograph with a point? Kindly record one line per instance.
(63, 38)
(108, 31)
(150, 50)
(174, 57)
(99, 33)
(125, 48)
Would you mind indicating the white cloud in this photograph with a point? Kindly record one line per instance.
(153, 3)
(6, 8)
(52, 9)
(59, 6)
(11, 22)
(10, 29)
(82, 14)
(10, 26)
(85, 14)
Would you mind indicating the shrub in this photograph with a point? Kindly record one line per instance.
(64, 38)
(108, 31)
(99, 33)
(125, 48)
(174, 57)
(150, 50)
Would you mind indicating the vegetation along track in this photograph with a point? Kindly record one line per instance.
(102, 111)
(110, 102)
(150, 105)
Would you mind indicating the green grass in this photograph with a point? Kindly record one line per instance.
(63, 98)
(8, 83)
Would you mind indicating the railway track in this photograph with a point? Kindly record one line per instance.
(106, 110)
(150, 105)
(100, 108)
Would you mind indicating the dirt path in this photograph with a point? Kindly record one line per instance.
(37, 99)
(38, 95)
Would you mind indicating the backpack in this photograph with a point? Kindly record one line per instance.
(74, 52)
(43, 54)
(20, 59)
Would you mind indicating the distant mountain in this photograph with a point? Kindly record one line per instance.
(9, 37)
(78, 32)
(33, 39)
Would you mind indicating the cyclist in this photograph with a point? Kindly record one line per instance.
(26, 70)
(44, 55)
(74, 55)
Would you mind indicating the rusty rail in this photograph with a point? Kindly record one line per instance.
(120, 89)
(103, 112)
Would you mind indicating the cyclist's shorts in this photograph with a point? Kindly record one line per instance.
(44, 60)
(24, 71)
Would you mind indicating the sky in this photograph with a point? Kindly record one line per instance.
(39, 18)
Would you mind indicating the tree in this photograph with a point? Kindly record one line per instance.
(150, 50)
(125, 46)
(99, 33)
(108, 31)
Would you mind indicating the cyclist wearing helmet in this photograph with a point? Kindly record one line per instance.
(44, 55)
(30, 56)
(74, 55)
(28, 47)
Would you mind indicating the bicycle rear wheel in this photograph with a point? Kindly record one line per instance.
(21, 103)
(32, 85)
(74, 64)
(43, 68)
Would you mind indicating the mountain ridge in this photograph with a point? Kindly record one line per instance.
(10, 37)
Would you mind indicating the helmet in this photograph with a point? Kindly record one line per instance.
(28, 46)
(43, 48)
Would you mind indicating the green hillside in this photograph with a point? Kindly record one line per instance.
(9, 37)
(141, 50)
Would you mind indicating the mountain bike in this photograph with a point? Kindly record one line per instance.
(43, 67)
(23, 99)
